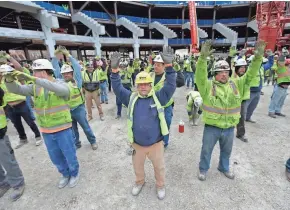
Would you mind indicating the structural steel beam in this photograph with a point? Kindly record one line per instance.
(104, 8)
(84, 6)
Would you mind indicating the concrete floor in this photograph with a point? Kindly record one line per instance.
(107, 174)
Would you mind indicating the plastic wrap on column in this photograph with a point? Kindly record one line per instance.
(50, 47)
(136, 50)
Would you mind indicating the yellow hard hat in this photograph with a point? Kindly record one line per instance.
(143, 77)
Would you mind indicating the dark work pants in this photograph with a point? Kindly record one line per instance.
(241, 125)
(15, 113)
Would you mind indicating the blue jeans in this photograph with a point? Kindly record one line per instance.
(168, 111)
(211, 135)
(277, 99)
(288, 165)
(252, 104)
(189, 76)
(78, 115)
(28, 102)
(119, 102)
(103, 88)
(62, 151)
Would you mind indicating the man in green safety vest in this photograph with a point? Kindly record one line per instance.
(51, 98)
(146, 120)
(222, 97)
(10, 174)
(159, 78)
(72, 75)
(91, 85)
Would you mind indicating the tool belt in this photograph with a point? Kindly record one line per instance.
(91, 86)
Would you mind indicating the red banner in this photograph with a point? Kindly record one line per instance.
(193, 25)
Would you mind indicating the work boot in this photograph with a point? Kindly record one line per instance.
(90, 118)
(251, 121)
(73, 181)
(229, 174)
(271, 115)
(38, 141)
(137, 189)
(202, 176)
(118, 117)
(107, 102)
(94, 146)
(102, 118)
(243, 138)
(286, 172)
(280, 114)
(161, 193)
(17, 193)
(262, 93)
(4, 189)
(21, 143)
(78, 146)
(63, 182)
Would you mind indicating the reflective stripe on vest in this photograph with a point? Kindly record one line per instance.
(51, 110)
(133, 98)
(160, 85)
(86, 77)
(76, 97)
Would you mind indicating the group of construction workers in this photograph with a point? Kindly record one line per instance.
(225, 92)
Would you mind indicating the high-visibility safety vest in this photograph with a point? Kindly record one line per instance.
(187, 67)
(86, 77)
(102, 75)
(190, 99)
(52, 112)
(283, 74)
(11, 97)
(3, 120)
(159, 85)
(220, 110)
(133, 98)
(255, 82)
(76, 96)
(125, 76)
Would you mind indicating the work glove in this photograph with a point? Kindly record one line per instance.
(115, 60)
(259, 48)
(167, 55)
(4, 55)
(64, 51)
(206, 49)
(269, 52)
(9, 77)
(232, 52)
(23, 76)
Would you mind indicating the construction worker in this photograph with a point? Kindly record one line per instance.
(146, 120)
(274, 68)
(53, 116)
(257, 85)
(91, 86)
(194, 103)
(189, 74)
(103, 78)
(10, 173)
(159, 77)
(240, 70)
(136, 66)
(280, 90)
(76, 102)
(17, 108)
(126, 76)
(222, 97)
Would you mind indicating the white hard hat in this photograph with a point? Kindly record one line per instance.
(198, 101)
(208, 58)
(187, 61)
(42, 64)
(241, 62)
(66, 68)
(158, 59)
(6, 68)
(265, 60)
(221, 65)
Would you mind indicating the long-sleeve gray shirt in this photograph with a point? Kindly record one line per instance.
(59, 87)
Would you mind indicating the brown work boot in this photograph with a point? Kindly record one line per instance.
(90, 118)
